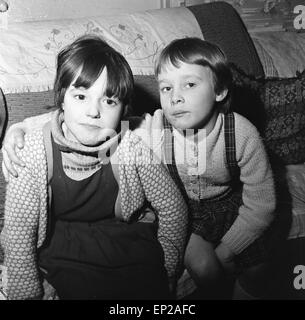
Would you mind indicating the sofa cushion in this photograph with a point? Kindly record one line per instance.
(277, 107)
(295, 177)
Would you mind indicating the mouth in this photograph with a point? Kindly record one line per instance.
(179, 114)
(91, 126)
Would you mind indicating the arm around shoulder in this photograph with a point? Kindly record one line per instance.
(19, 235)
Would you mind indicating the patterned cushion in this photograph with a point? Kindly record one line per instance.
(277, 107)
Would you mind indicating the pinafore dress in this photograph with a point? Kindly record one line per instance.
(89, 254)
(212, 218)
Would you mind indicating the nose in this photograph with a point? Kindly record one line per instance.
(93, 110)
(176, 97)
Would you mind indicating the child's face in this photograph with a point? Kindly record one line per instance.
(89, 115)
(187, 96)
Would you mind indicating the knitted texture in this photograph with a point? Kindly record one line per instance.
(142, 176)
(85, 160)
(26, 209)
(277, 107)
(258, 194)
(25, 221)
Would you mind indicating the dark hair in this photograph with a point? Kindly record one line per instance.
(203, 53)
(91, 55)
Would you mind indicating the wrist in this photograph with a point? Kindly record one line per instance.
(223, 252)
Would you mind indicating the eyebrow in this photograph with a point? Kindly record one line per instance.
(72, 88)
(183, 77)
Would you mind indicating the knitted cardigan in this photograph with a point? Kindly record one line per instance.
(259, 200)
(26, 209)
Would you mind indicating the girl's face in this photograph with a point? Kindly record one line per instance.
(188, 96)
(89, 115)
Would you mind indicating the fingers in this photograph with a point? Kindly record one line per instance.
(8, 167)
(12, 141)
(5, 172)
(10, 150)
(19, 140)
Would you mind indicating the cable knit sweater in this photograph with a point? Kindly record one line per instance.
(26, 207)
(213, 178)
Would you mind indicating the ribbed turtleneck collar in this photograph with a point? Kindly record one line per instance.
(72, 146)
(77, 155)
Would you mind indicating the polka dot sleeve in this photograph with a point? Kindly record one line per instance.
(162, 193)
(19, 237)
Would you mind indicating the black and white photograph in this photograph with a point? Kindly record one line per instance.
(152, 151)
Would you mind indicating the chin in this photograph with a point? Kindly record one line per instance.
(90, 142)
(182, 125)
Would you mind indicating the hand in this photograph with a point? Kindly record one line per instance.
(13, 138)
(147, 215)
(225, 257)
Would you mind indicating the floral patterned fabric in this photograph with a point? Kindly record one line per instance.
(27, 59)
(277, 107)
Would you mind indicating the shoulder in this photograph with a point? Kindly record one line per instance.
(248, 140)
(151, 129)
(130, 138)
(132, 147)
(244, 128)
(33, 150)
(131, 142)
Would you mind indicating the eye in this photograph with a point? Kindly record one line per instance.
(190, 85)
(165, 89)
(111, 101)
(80, 97)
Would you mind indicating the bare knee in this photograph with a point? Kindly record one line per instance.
(199, 267)
(200, 261)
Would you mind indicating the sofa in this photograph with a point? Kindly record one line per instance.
(268, 90)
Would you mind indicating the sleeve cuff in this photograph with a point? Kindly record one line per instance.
(237, 240)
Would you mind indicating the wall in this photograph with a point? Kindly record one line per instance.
(266, 15)
(258, 15)
(21, 10)
(178, 3)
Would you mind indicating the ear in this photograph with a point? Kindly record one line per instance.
(221, 95)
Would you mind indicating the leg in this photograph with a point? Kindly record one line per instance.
(203, 266)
